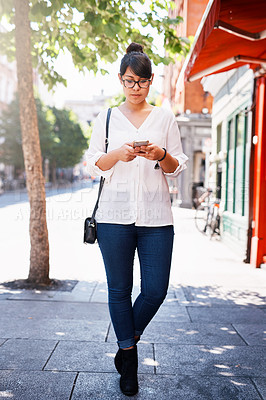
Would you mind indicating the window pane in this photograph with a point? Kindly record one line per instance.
(231, 166)
(239, 184)
(248, 145)
(219, 138)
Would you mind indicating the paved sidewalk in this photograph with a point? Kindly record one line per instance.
(207, 341)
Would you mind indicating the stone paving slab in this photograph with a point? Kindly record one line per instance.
(245, 296)
(187, 333)
(95, 357)
(171, 312)
(56, 310)
(35, 385)
(55, 329)
(254, 335)
(171, 301)
(227, 315)
(4, 296)
(261, 386)
(34, 295)
(191, 333)
(82, 292)
(100, 293)
(204, 296)
(24, 354)
(165, 387)
(222, 296)
(100, 386)
(178, 292)
(210, 360)
(172, 292)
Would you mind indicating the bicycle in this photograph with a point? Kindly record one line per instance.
(207, 216)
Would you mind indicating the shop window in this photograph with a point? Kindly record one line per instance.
(219, 139)
(236, 182)
(230, 167)
(248, 130)
(239, 163)
(219, 166)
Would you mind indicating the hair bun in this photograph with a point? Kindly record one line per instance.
(135, 47)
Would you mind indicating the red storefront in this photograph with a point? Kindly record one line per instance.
(232, 33)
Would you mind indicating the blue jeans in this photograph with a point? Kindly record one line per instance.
(118, 244)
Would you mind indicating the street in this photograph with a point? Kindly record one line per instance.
(206, 342)
(66, 211)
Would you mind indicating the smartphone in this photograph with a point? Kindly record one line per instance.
(138, 143)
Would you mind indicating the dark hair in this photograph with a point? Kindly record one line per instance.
(137, 61)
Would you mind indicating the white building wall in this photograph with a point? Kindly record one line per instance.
(8, 79)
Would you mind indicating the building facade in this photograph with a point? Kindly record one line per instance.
(192, 106)
(8, 87)
(8, 82)
(87, 111)
(189, 97)
(231, 38)
(8, 79)
(231, 148)
(195, 130)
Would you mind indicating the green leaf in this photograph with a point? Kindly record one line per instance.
(112, 29)
(102, 5)
(89, 16)
(173, 21)
(101, 31)
(41, 10)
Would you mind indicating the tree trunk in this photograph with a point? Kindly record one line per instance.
(39, 253)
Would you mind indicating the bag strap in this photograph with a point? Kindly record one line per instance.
(106, 147)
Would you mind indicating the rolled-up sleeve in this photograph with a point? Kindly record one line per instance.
(97, 147)
(175, 149)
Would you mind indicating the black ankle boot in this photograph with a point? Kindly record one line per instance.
(118, 361)
(129, 377)
(118, 358)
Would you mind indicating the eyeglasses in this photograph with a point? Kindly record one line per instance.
(130, 83)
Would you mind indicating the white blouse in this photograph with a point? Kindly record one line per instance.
(135, 192)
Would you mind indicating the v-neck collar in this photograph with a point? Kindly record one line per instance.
(148, 116)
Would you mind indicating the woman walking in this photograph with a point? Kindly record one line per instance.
(135, 210)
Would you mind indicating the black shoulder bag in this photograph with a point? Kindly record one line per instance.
(90, 224)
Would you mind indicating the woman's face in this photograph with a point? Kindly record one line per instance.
(135, 94)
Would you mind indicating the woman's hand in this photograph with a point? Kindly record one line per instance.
(126, 152)
(154, 152)
(151, 152)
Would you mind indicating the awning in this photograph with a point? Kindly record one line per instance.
(231, 33)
